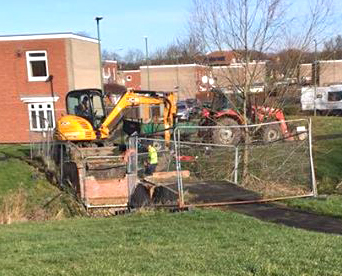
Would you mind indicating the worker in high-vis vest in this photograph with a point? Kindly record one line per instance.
(152, 160)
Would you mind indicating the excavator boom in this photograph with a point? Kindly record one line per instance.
(94, 125)
(136, 98)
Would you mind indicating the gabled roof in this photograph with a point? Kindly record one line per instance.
(46, 36)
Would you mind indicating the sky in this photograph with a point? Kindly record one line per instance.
(124, 24)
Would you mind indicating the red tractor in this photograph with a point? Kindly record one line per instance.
(223, 112)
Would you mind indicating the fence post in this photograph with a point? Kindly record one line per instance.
(61, 162)
(178, 167)
(48, 149)
(313, 177)
(132, 166)
(236, 165)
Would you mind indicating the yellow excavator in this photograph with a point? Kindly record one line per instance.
(95, 169)
(87, 120)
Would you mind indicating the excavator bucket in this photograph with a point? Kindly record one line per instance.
(98, 176)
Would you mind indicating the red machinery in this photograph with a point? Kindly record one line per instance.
(224, 113)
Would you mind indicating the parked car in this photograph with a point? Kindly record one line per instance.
(194, 107)
(183, 112)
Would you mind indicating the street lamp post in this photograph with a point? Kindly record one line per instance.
(147, 64)
(98, 18)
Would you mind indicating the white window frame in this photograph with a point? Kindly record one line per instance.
(33, 105)
(129, 78)
(37, 107)
(29, 68)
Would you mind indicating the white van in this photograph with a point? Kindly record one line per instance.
(328, 99)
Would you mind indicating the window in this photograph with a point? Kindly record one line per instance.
(155, 111)
(37, 67)
(335, 96)
(128, 78)
(41, 116)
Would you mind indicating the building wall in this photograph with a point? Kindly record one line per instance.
(65, 64)
(330, 72)
(182, 78)
(130, 79)
(14, 120)
(222, 57)
(305, 73)
(109, 71)
(234, 74)
(83, 64)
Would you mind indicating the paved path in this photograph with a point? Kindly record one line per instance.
(290, 217)
(221, 191)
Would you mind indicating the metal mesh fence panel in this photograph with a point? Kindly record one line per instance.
(267, 161)
(161, 185)
(166, 158)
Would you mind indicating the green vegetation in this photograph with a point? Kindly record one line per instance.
(330, 205)
(327, 150)
(202, 242)
(24, 191)
(207, 242)
(13, 171)
(328, 153)
(327, 125)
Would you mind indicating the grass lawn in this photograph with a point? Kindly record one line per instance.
(21, 182)
(328, 153)
(13, 171)
(203, 242)
(328, 163)
(330, 205)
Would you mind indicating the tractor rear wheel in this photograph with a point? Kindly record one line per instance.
(271, 133)
(227, 136)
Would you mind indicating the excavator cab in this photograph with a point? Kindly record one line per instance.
(86, 113)
(88, 104)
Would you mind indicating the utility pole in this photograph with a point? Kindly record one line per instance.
(98, 18)
(147, 64)
(177, 72)
(315, 79)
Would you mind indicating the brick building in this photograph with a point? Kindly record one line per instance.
(329, 72)
(130, 79)
(234, 74)
(183, 78)
(36, 73)
(110, 71)
(305, 73)
(217, 58)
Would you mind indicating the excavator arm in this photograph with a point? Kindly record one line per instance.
(134, 98)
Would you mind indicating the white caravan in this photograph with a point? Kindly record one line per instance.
(328, 99)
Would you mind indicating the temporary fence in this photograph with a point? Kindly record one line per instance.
(185, 168)
(41, 142)
(252, 163)
(268, 161)
(163, 181)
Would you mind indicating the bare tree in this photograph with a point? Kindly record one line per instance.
(254, 26)
(181, 51)
(333, 48)
(133, 59)
(110, 55)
